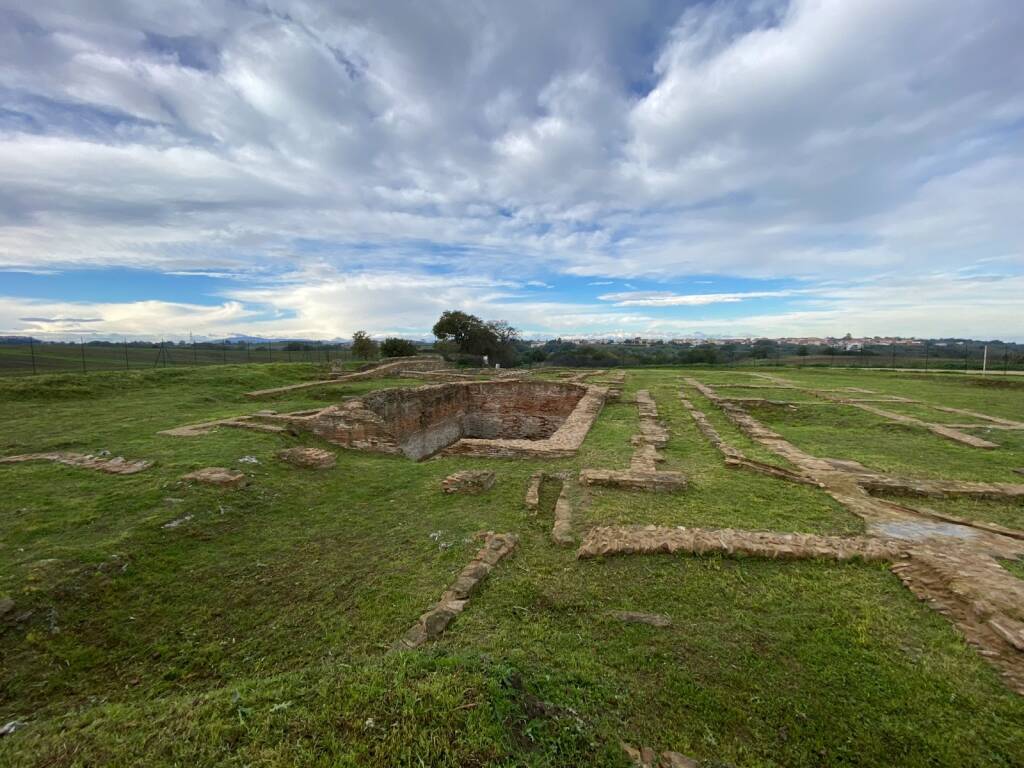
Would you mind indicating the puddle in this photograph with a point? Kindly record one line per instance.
(915, 531)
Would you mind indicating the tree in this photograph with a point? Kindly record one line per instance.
(473, 336)
(762, 348)
(395, 347)
(363, 347)
(803, 351)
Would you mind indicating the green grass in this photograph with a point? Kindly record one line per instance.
(257, 631)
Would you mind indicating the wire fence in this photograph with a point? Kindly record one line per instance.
(29, 357)
(941, 356)
(35, 357)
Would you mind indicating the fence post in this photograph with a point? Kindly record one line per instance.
(83, 354)
(32, 351)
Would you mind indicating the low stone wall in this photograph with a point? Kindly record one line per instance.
(392, 366)
(116, 465)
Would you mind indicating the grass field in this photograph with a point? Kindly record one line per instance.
(257, 630)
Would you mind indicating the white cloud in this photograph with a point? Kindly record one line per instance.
(666, 299)
(806, 140)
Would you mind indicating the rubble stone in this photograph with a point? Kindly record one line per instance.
(117, 465)
(218, 476)
(453, 601)
(310, 458)
(469, 481)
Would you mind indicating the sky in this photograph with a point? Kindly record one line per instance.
(308, 169)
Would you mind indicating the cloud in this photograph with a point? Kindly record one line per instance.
(666, 299)
(802, 141)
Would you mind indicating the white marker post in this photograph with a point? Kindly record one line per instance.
(984, 360)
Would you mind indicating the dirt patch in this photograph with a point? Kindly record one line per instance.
(651, 619)
(217, 476)
(117, 465)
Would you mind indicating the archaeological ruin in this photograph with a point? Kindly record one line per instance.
(503, 417)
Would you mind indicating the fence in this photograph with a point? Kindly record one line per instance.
(38, 357)
(941, 356)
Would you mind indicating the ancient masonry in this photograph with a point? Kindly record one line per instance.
(654, 539)
(389, 367)
(217, 476)
(732, 455)
(308, 458)
(468, 481)
(645, 757)
(614, 383)
(643, 474)
(952, 564)
(432, 623)
(561, 529)
(499, 418)
(238, 422)
(946, 431)
(117, 465)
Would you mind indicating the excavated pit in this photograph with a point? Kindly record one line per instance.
(482, 418)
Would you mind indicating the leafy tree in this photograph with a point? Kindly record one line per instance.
(803, 351)
(395, 347)
(762, 348)
(473, 336)
(363, 347)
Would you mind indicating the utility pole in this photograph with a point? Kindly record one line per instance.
(83, 354)
(126, 353)
(192, 339)
(32, 351)
(927, 346)
(894, 355)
